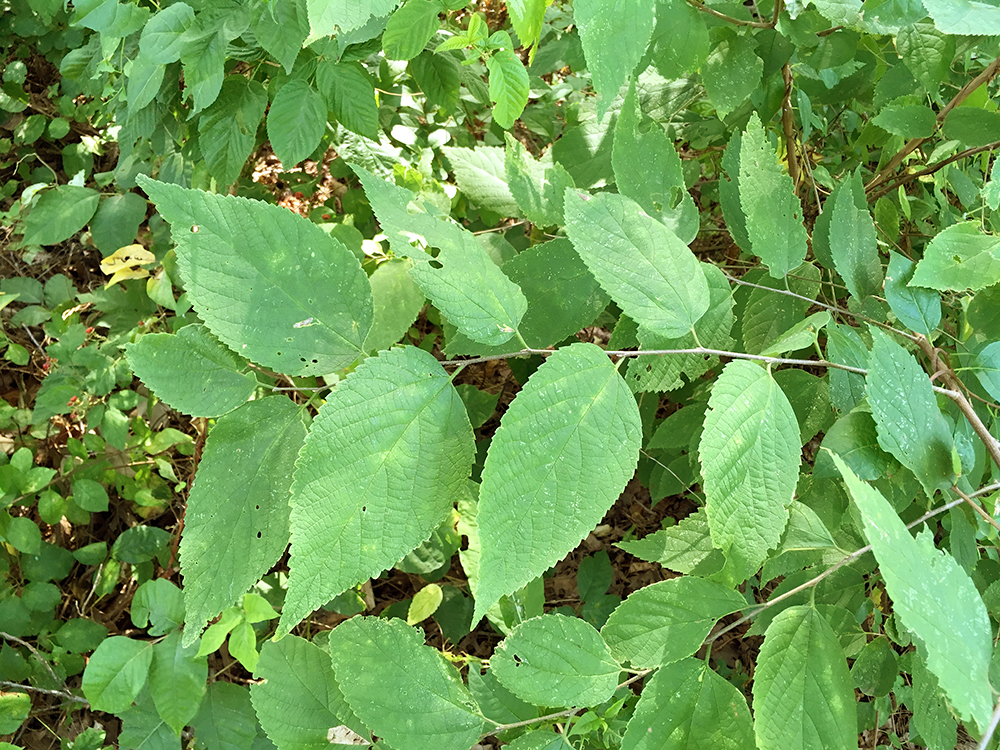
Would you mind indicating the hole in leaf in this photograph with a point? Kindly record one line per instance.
(258, 535)
(435, 264)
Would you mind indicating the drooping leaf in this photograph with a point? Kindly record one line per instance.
(350, 95)
(509, 87)
(934, 599)
(552, 472)
(910, 424)
(59, 213)
(852, 239)
(554, 660)
(192, 371)
(614, 37)
(538, 187)
(750, 459)
(298, 699)
(688, 706)
(251, 270)
(917, 308)
(526, 16)
(203, 55)
(645, 268)
(685, 548)
(480, 174)
(386, 458)
(410, 28)
(296, 122)
(844, 346)
(803, 695)
(960, 257)
(236, 524)
(427, 706)
(117, 221)
(161, 36)
(667, 621)
(732, 72)
(228, 129)
(729, 192)
(773, 212)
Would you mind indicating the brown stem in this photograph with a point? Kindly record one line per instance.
(914, 143)
(788, 126)
(976, 507)
(736, 21)
(910, 176)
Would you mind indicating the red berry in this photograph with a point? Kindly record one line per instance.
(299, 195)
(326, 217)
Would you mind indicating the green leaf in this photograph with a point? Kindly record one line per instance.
(685, 548)
(972, 126)
(480, 174)
(852, 239)
(508, 87)
(58, 214)
(350, 95)
(663, 372)
(226, 718)
(910, 424)
(667, 621)
(203, 56)
(252, 271)
(228, 129)
(177, 681)
(192, 371)
(934, 599)
(645, 268)
(14, 709)
(732, 72)
(23, 535)
(960, 257)
(162, 36)
(526, 16)
(875, 670)
(468, 287)
(614, 37)
(687, 705)
(970, 17)
(397, 301)
(554, 660)
(90, 496)
(918, 309)
(932, 717)
(424, 604)
(680, 39)
(325, 16)
(403, 448)
(438, 77)
(236, 524)
(296, 122)
(988, 368)
(729, 193)
(143, 728)
(773, 212)
(427, 708)
(648, 170)
(907, 120)
(565, 449)
(750, 458)
(144, 80)
(281, 27)
(539, 186)
(116, 672)
(410, 29)
(844, 346)
(803, 695)
(117, 221)
(298, 699)
(854, 438)
(927, 53)
(563, 297)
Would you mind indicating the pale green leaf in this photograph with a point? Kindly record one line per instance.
(509, 87)
(281, 27)
(177, 680)
(58, 214)
(298, 699)
(403, 690)
(988, 368)
(732, 72)
(991, 190)
(646, 269)
(910, 424)
(887, 16)
(971, 17)
(934, 599)
(773, 212)
(252, 271)
(116, 672)
(750, 460)
(539, 186)
(916, 308)
(565, 449)
(424, 604)
(688, 706)
(350, 95)
(326, 16)
(667, 621)
(397, 301)
(162, 35)
(614, 37)
(144, 80)
(663, 372)
(480, 174)
(680, 40)
(555, 660)
(227, 130)
(802, 335)
(803, 695)
(295, 122)
(236, 524)
(685, 548)
(226, 719)
(852, 239)
(907, 120)
(960, 257)
(563, 297)
(386, 458)
(192, 371)
(526, 16)
(410, 28)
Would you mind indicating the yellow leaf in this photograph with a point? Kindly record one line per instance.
(123, 274)
(129, 256)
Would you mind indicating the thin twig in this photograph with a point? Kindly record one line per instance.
(910, 176)
(976, 507)
(34, 651)
(988, 734)
(58, 693)
(788, 127)
(735, 21)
